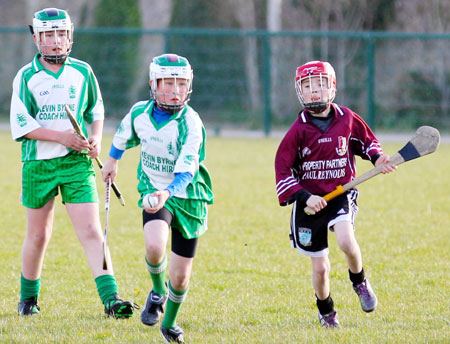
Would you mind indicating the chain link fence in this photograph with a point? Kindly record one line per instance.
(245, 79)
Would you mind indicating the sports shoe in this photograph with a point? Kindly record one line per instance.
(329, 320)
(366, 295)
(28, 307)
(153, 309)
(119, 308)
(173, 334)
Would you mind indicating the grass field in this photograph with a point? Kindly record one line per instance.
(248, 285)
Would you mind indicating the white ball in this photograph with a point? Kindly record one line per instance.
(149, 201)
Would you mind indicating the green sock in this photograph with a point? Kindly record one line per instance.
(29, 288)
(158, 275)
(106, 287)
(174, 302)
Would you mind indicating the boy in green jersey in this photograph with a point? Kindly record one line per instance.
(171, 173)
(54, 156)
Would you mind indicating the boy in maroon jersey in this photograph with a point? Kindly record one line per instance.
(316, 155)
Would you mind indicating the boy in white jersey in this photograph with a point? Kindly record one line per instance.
(54, 156)
(172, 140)
(317, 154)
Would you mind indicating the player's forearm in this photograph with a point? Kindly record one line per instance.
(45, 134)
(97, 129)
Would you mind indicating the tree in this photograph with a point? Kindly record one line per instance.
(155, 14)
(244, 10)
(421, 64)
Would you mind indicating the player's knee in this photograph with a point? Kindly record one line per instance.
(348, 245)
(89, 233)
(321, 271)
(155, 253)
(180, 279)
(39, 239)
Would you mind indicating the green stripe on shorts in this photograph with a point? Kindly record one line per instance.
(73, 175)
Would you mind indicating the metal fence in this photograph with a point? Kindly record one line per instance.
(245, 79)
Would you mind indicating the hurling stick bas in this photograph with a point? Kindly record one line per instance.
(425, 141)
(77, 128)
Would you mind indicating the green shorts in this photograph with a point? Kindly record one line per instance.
(73, 174)
(190, 216)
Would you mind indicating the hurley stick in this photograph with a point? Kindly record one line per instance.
(105, 234)
(425, 141)
(77, 128)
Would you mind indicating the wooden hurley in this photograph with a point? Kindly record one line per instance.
(77, 128)
(425, 141)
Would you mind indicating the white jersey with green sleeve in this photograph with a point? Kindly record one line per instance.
(38, 100)
(174, 146)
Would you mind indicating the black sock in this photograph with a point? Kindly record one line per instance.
(356, 278)
(325, 306)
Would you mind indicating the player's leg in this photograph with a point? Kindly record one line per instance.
(79, 193)
(156, 235)
(321, 284)
(39, 188)
(86, 222)
(181, 262)
(345, 236)
(320, 276)
(347, 242)
(309, 235)
(39, 230)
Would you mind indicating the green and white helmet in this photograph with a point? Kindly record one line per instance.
(170, 66)
(53, 19)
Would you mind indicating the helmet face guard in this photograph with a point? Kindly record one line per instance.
(326, 75)
(56, 21)
(169, 66)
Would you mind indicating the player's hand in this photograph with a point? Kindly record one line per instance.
(96, 146)
(163, 196)
(110, 169)
(316, 203)
(70, 139)
(386, 166)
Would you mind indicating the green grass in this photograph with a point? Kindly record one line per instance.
(248, 285)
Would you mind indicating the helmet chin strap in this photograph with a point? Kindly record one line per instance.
(170, 108)
(55, 59)
(316, 107)
(166, 107)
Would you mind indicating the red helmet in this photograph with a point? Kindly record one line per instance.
(311, 70)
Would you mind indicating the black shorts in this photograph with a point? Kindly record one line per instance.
(309, 233)
(180, 245)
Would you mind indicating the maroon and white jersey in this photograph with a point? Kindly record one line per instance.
(319, 161)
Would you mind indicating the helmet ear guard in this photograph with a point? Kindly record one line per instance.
(170, 66)
(316, 69)
(52, 19)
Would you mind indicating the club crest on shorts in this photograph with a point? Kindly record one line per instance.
(341, 149)
(304, 236)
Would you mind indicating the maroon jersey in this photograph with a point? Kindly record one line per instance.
(319, 161)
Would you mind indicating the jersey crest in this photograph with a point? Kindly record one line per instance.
(170, 149)
(306, 151)
(72, 92)
(341, 149)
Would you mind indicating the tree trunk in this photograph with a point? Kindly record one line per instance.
(155, 14)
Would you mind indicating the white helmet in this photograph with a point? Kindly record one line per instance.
(52, 19)
(170, 66)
